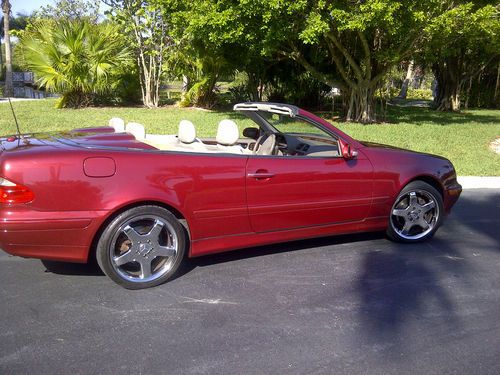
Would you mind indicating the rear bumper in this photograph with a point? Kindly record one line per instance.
(62, 236)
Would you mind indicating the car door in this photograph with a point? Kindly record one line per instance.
(287, 192)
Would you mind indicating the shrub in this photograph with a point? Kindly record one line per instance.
(419, 94)
(76, 58)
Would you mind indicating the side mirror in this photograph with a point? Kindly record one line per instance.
(347, 152)
(252, 133)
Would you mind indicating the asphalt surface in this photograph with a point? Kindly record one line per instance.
(340, 305)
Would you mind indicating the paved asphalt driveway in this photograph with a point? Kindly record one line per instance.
(348, 305)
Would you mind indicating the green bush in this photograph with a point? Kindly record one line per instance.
(238, 94)
(83, 62)
(419, 94)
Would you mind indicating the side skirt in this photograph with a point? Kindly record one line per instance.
(221, 244)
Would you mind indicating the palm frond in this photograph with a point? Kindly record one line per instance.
(76, 57)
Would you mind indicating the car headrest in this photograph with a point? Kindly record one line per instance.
(227, 133)
(187, 132)
(136, 129)
(118, 124)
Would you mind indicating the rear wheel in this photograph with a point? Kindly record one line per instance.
(142, 247)
(416, 214)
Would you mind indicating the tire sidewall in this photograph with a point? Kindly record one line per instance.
(103, 254)
(412, 186)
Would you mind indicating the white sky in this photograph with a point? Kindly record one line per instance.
(28, 6)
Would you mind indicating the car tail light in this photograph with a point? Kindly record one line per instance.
(11, 193)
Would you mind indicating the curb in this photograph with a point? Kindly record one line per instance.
(475, 182)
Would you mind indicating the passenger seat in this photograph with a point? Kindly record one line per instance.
(227, 137)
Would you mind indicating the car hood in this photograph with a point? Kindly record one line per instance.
(373, 145)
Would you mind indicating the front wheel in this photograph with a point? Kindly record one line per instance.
(416, 214)
(142, 247)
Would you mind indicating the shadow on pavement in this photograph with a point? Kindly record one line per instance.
(77, 269)
(405, 285)
(252, 252)
(409, 284)
(480, 213)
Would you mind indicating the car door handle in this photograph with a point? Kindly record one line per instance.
(260, 175)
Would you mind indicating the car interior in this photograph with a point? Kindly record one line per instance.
(263, 139)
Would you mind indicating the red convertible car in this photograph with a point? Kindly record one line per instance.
(141, 203)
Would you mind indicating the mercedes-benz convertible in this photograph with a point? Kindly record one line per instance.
(141, 203)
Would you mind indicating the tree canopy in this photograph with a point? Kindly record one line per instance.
(345, 44)
(461, 42)
(303, 46)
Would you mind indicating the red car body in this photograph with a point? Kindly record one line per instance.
(80, 180)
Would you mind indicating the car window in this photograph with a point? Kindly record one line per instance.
(297, 137)
(293, 125)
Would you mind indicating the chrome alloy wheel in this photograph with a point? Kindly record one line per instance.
(415, 214)
(144, 248)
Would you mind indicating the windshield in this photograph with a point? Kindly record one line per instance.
(293, 125)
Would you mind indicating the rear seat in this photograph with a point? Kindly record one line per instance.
(118, 124)
(185, 140)
(136, 129)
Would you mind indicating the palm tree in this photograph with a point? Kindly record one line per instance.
(9, 91)
(76, 58)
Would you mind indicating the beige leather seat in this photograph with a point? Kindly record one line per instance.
(187, 140)
(227, 137)
(268, 147)
(136, 129)
(118, 124)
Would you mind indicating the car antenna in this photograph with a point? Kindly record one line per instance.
(19, 135)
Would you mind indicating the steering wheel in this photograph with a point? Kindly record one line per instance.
(265, 145)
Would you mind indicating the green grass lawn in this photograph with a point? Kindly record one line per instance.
(463, 138)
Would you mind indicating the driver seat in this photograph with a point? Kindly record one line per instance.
(266, 145)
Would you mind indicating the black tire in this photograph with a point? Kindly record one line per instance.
(416, 213)
(142, 247)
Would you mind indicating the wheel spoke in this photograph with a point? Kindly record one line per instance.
(165, 251)
(132, 234)
(128, 257)
(407, 227)
(413, 198)
(423, 224)
(145, 267)
(428, 206)
(399, 212)
(155, 231)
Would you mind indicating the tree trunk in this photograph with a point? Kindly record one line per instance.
(185, 84)
(406, 82)
(468, 94)
(253, 87)
(448, 88)
(150, 79)
(9, 91)
(361, 104)
(497, 85)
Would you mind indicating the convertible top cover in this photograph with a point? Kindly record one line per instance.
(279, 109)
